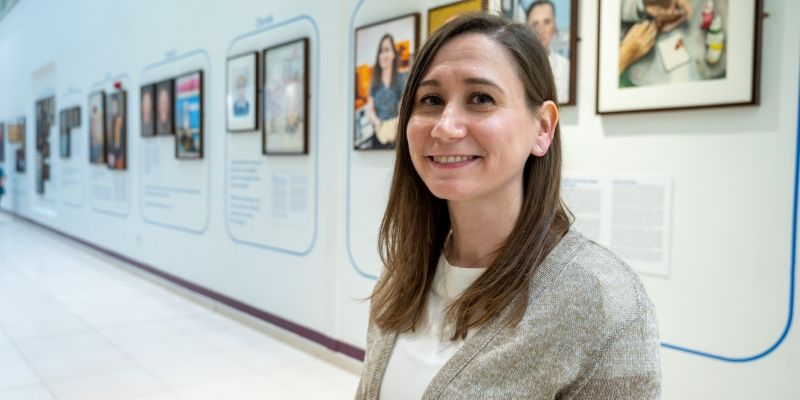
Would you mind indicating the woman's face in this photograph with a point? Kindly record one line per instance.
(163, 106)
(147, 106)
(386, 57)
(471, 131)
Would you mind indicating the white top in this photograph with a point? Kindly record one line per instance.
(418, 356)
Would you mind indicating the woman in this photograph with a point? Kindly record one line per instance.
(385, 92)
(487, 293)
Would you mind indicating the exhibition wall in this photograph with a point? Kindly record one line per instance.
(707, 195)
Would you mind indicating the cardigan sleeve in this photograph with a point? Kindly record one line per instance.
(630, 368)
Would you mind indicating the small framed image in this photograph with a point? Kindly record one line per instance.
(165, 107)
(116, 131)
(439, 16)
(286, 98)
(148, 111)
(16, 131)
(555, 23)
(384, 52)
(2, 142)
(705, 54)
(243, 83)
(64, 127)
(97, 127)
(189, 115)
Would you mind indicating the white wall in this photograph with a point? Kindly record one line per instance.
(727, 291)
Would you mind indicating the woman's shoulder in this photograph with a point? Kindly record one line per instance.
(594, 281)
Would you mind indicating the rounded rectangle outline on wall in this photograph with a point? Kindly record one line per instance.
(792, 268)
(206, 152)
(315, 132)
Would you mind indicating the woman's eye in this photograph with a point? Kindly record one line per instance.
(430, 101)
(481, 98)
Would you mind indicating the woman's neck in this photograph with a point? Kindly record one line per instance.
(386, 77)
(479, 230)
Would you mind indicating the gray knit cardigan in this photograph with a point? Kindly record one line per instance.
(589, 332)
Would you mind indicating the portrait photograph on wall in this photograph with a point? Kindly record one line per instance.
(242, 100)
(439, 16)
(97, 128)
(147, 119)
(555, 23)
(16, 135)
(64, 133)
(384, 52)
(286, 98)
(2, 142)
(189, 115)
(705, 54)
(116, 131)
(164, 107)
(44, 122)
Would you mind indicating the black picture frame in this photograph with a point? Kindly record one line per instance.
(280, 95)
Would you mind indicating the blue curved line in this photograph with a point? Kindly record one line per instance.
(350, 125)
(315, 149)
(206, 148)
(792, 272)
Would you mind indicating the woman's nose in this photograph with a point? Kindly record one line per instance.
(450, 125)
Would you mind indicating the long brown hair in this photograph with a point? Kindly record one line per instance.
(416, 223)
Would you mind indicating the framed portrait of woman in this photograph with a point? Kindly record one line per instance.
(286, 98)
(384, 52)
(555, 23)
(242, 99)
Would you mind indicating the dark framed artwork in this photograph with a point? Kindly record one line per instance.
(242, 100)
(97, 128)
(555, 23)
(116, 130)
(381, 49)
(439, 16)
(64, 133)
(705, 54)
(147, 119)
(45, 119)
(286, 98)
(2, 142)
(165, 107)
(189, 115)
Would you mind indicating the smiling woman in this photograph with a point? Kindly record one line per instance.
(487, 292)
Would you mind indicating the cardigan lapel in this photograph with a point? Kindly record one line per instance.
(543, 276)
(384, 343)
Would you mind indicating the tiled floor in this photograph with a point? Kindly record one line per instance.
(73, 326)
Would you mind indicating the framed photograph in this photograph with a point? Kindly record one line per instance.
(2, 142)
(243, 83)
(286, 98)
(384, 53)
(64, 127)
(16, 131)
(555, 23)
(20, 159)
(97, 128)
(116, 131)
(705, 54)
(189, 115)
(439, 16)
(147, 107)
(165, 107)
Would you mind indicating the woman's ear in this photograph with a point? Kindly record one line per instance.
(547, 119)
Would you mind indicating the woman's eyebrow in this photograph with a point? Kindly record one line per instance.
(469, 81)
(483, 81)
